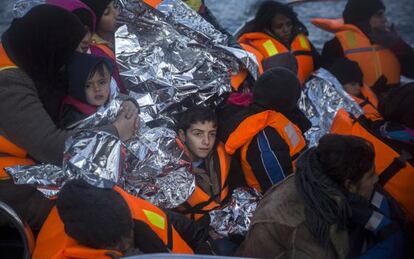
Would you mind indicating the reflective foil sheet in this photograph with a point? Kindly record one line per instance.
(167, 66)
(97, 157)
(322, 97)
(180, 14)
(159, 175)
(234, 218)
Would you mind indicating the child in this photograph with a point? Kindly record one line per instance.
(349, 74)
(89, 87)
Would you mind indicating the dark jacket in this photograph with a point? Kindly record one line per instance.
(230, 117)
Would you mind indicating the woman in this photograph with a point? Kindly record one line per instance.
(34, 50)
(276, 30)
(324, 210)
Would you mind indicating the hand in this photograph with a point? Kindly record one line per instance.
(126, 122)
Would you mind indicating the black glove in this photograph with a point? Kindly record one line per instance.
(385, 38)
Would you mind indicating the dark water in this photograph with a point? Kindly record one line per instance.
(233, 13)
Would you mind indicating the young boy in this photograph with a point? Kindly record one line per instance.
(197, 130)
(89, 87)
(349, 74)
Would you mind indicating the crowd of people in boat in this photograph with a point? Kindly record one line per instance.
(350, 196)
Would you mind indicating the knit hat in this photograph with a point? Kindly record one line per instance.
(81, 10)
(347, 71)
(360, 10)
(277, 89)
(96, 217)
(79, 69)
(98, 6)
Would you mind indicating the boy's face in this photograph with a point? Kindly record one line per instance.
(97, 88)
(199, 139)
(353, 88)
(107, 24)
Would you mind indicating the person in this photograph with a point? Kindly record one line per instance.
(31, 101)
(89, 87)
(393, 160)
(103, 38)
(266, 137)
(349, 74)
(197, 129)
(365, 37)
(325, 210)
(94, 222)
(276, 30)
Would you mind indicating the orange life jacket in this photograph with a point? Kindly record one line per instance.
(53, 242)
(242, 136)
(10, 154)
(369, 104)
(238, 79)
(395, 173)
(269, 46)
(153, 3)
(373, 59)
(200, 203)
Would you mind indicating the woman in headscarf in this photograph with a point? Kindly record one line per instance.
(328, 209)
(276, 29)
(33, 51)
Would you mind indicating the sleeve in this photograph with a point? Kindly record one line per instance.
(269, 157)
(391, 247)
(332, 50)
(146, 240)
(192, 232)
(405, 55)
(25, 122)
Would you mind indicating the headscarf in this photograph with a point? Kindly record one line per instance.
(40, 43)
(98, 6)
(79, 68)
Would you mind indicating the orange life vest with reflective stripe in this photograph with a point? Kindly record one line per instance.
(394, 170)
(373, 59)
(200, 203)
(369, 104)
(238, 79)
(242, 136)
(53, 241)
(269, 46)
(10, 154)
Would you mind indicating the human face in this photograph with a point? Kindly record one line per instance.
(199, 139)
(378, 21)
(97, 88)
(366, 185)
(282, 27)
(107, 24)
(85, 43)
(353, 88)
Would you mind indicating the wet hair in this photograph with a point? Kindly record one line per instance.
(196, 114)
(100, 68)
(344, 157)
(267, 11)
(96, 217)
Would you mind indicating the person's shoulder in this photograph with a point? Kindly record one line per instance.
(15, 77)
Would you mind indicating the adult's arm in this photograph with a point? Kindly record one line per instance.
(332, 50)
(405, 55)
(25, 122)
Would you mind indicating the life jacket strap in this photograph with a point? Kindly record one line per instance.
(397, 164)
